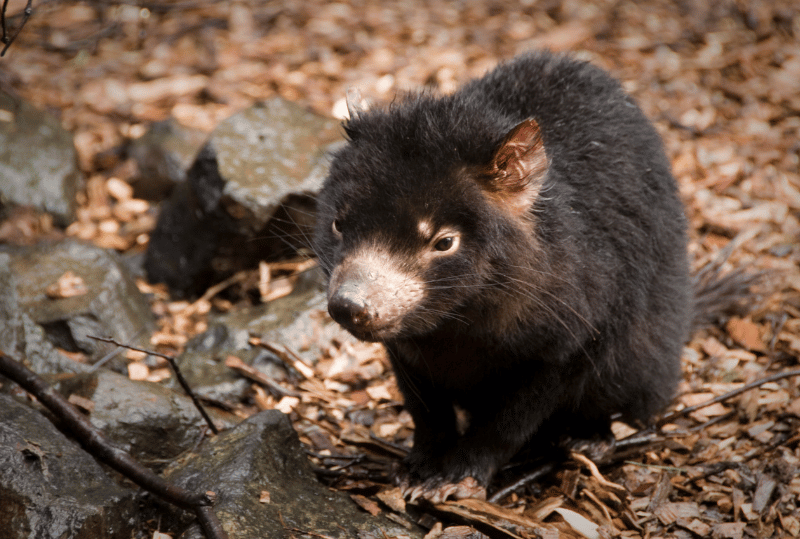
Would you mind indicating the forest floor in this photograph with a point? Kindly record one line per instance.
(721, 81)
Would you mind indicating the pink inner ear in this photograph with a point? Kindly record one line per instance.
(519, 167)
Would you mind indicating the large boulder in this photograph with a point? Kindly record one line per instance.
(249, 196)
(50, 487)
(151, 422)
(265, 487)
(38, 161)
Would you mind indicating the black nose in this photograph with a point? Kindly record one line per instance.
(349, 309)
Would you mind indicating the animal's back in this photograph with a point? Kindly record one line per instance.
(612, 207)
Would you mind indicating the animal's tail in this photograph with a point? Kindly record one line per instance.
(720, 293)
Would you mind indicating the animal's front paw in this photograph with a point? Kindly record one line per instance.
(596, 449)
(418, 466)
(437, 490)
(438, 477)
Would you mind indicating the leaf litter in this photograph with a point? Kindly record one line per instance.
(720, 81)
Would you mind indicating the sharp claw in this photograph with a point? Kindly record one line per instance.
(416, 493)
(443, 492)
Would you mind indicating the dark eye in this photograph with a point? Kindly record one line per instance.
(337, 231)
(444, 244)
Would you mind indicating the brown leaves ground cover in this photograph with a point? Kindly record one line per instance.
(720, 79)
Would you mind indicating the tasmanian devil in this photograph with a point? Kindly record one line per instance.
(520, 249)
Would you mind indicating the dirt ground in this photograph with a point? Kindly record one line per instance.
(721, 81)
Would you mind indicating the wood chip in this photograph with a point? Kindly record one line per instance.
(366, 504)
(87, 405)
(670, 512)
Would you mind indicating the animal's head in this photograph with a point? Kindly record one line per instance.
(420, 208)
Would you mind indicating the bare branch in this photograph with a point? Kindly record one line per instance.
(6, 39)
(181, 380)
(95, 442)
(648, 435)
(729, 395)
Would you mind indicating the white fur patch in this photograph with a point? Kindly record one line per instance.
(390, 287)
(425, 229)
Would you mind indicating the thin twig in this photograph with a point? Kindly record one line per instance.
(114, 352)
(529, 477)
(595, 472)
(95, 442)
(725, 396)
(181, 380)
(25, 16)
(648, 435)
(720, 467)
(233, 362)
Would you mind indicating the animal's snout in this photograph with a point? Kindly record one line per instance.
(348, 305)
(371, 293)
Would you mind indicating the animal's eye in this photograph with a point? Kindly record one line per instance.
(444, 244)
(335, 227)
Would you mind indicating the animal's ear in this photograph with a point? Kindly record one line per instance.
(356, 105)
(518, 168)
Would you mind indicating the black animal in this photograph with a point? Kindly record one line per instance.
(520, 249)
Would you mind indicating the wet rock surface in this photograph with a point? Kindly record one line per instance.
(248, 196)
(163, 155)
(50, 487)
(38, 162)
(109, 305)
(156, 423)
(265, 486)
(300, 318)
(148, 420)
(20, 335)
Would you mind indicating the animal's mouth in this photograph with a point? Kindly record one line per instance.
(369, 335)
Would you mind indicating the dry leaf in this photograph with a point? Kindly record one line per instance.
(728, 530)
(668, 513)
(746, 333)
(393, 498)
(138, 371)
(366, 504)
(67, 286)
(579, 523)
(435, 532)
(83, 403)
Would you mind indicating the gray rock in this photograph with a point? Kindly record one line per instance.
(203, 365)
(111, 307)
(292, 319)
(20, 335)
(248, 197)
(38, 162)
(267, 152)
(151, 422)
(50, 487)
(163, 155)
(263, 454)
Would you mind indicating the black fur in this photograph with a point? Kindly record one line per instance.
(541, 323)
